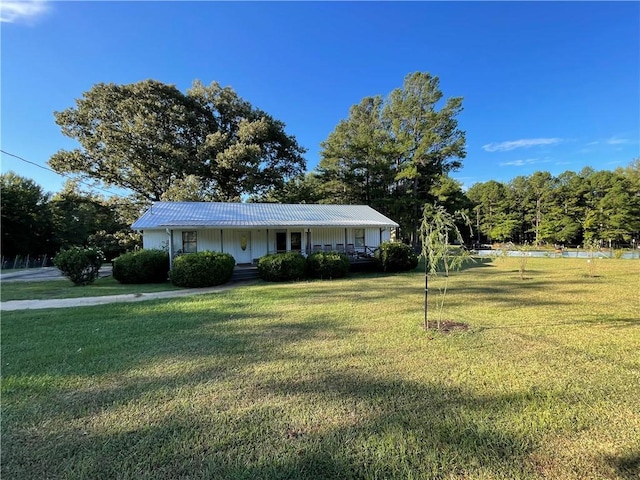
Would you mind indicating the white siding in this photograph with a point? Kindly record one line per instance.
(327, 236)
(225, 240)
(259, 243)
(372, 237)
(155, 239)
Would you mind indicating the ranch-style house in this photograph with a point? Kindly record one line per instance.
(249, 231)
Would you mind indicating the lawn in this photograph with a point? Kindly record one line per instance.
(335, 379)
(53, 289)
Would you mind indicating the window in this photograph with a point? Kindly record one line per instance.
(359, 234)
(190, 242)
(296, 241)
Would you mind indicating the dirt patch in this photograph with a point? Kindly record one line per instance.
(449, 326)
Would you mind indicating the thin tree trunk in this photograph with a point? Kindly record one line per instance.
(426, 296)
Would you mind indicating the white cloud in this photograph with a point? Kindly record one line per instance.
(521, 162)
(13, 11)
(522, 143)
(617, 141)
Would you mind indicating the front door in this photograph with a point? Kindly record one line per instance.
(242, 247)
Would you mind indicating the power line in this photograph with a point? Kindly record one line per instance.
(57, 173)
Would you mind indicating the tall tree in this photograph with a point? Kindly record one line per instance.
(76, 215)
(148, 136)
(540, 188)
(356, 158)
(428, 142)
(563, 221)
(494, 216)
(390, 153)
(613, 208)
(26, 224)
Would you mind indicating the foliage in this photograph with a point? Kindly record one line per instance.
(438, 226)
(202, 269)
(160, 143)
(396, 257)
(115, 244)
(593, 249)
(77, 215)
(392, 153)
(523, 255)
(143, 266)
(356, 164)
(304, 188)
(428, 142)
(568, 209)
(80, 265)
(327, 265)
(280, 267)
(25, 217)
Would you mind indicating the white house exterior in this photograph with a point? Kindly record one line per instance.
(249, 231)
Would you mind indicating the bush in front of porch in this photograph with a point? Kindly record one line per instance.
(281, 267)
(327, 265)
(202, 269)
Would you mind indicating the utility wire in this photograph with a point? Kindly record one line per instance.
(61, 174)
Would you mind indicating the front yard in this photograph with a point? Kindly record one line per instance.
(335, 379)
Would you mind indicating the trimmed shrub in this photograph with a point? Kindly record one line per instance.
(202, 269)
(80, 265)
(396, 257)
(327, 265)
(143, 266)
(280, 267)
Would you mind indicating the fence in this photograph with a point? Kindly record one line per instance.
(26, 262)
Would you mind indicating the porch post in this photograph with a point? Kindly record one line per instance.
(221, 242)
(170, 233)
(267, 241)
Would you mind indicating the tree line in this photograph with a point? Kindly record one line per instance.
(394, 153)
(34, 222)
(572, 208)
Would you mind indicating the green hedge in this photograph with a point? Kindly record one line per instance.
(327, 265)
(143, 266)
(202, 269)
(280, 267)
(396, 257)
(80, 265)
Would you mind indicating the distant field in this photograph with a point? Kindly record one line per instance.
(336, 379)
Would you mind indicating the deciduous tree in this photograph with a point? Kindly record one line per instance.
(148, 137)
(26, 223)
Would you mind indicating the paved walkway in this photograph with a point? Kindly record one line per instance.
(88, 301)
(52, 273)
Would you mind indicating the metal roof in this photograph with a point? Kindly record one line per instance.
(214, 214)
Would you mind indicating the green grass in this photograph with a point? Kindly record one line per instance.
(335, 380)
(53, 289)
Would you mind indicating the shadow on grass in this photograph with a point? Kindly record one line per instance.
(627, 466)
(160, 360)
(386, 429)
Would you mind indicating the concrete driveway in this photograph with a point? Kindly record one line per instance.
(52, 273)
(43, 274)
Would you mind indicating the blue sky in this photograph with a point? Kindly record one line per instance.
(547, 85)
